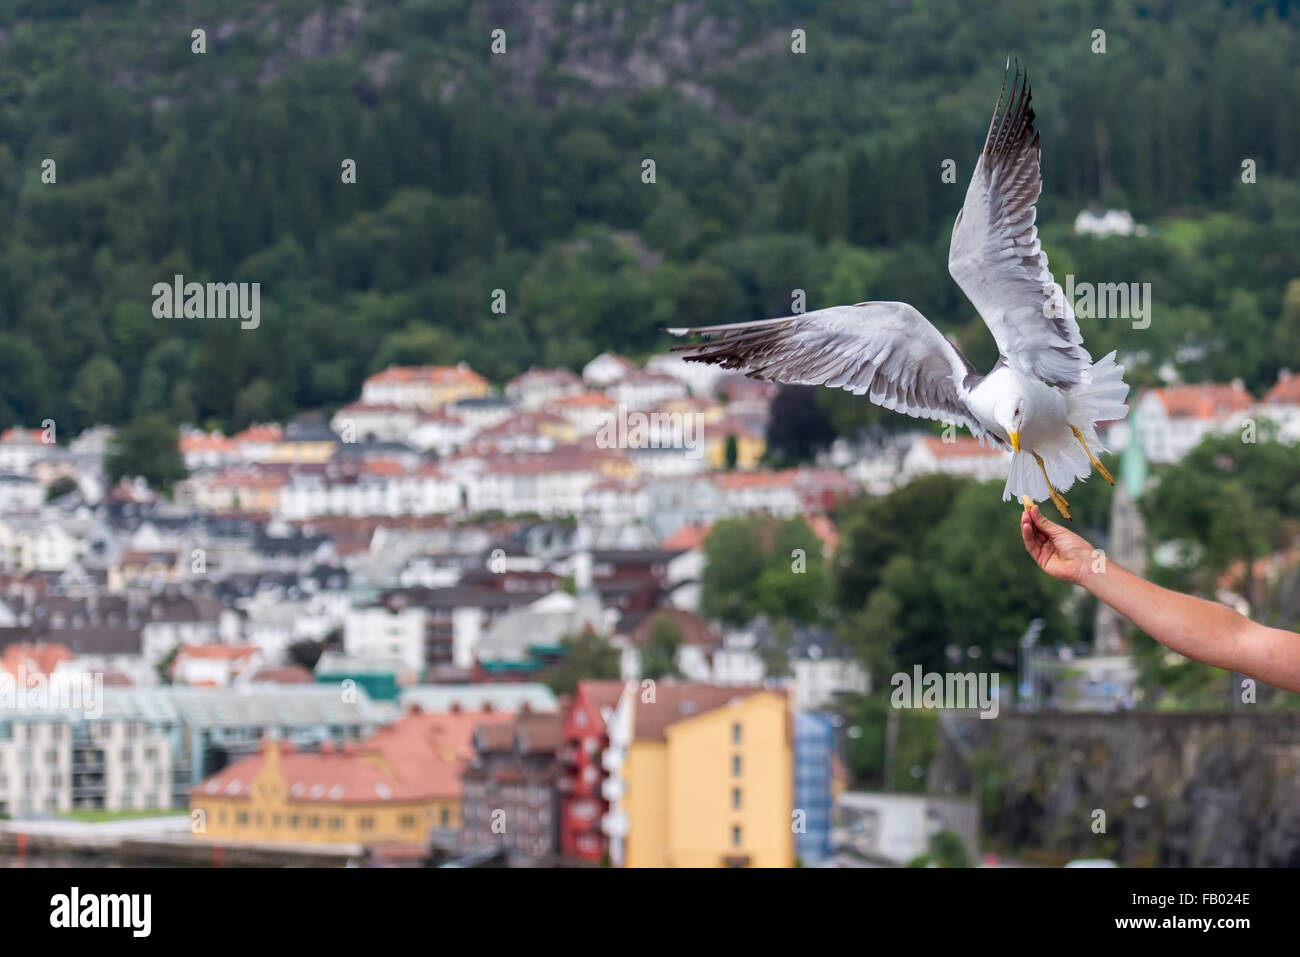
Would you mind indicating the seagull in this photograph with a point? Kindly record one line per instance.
(1043, 399)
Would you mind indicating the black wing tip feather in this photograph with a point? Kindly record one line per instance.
(1012, 126)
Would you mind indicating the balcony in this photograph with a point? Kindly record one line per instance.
(614, 824)
(612, 759)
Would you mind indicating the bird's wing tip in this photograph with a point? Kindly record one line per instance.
(677, 331)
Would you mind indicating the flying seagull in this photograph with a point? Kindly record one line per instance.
(1043, 398)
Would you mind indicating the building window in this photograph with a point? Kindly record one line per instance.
(313, 822)
(336, 824)
(242, 818)
(735, 733)
(735, 765)
(408, 821)
(735, 835)
(735, 797)
(293, 822)
(367, 823)
(446, 818)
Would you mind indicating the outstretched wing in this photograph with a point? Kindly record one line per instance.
(996, 258)
(886, 351)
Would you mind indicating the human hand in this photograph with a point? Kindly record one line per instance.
(1057, 550)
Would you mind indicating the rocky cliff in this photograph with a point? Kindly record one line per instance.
(1170, 790)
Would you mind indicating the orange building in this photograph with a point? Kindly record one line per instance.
(397, 787)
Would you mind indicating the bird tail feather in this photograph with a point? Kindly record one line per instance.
(1065, 460)
(1101, 400)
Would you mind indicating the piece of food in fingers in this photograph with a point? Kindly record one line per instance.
(1027, 501)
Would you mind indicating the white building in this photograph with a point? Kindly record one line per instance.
(216, 666)
(606, 369)
(361, 422)
(20, 494)
(588, 412)
(1173, 420)
(55, 761)
(377, 632)
(962, 455)
(536, 387)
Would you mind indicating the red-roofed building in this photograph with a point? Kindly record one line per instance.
(259, 443)
(424, 387)
(512, 796)
(1174, 420)
(215, 666)
(207, 449)
(960, 454)
(20, 448)
(536, 387)
(363, 422)
(21, 659)
(607, 368)
(587, 411)
(1281, 405)
(401, 785)
(586, 736)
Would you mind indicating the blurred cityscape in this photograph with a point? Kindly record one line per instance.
(460, 624)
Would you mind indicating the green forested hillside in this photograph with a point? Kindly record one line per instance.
(523, 172)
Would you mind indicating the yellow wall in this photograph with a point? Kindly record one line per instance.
(646, 804)
(749, 451)
(303, 453)
(679, 792)
(269, 814)
(446, 393)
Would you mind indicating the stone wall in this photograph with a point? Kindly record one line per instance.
(1176, 790)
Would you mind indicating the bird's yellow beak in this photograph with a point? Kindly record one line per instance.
(1015, 440)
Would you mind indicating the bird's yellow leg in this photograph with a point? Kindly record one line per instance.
(1057, 498)
(1095, 463)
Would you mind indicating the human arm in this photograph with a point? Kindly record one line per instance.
(1203, 630)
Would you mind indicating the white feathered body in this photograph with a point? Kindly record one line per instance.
(1049, 418)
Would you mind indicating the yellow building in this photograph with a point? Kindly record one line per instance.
(307, 442)
(397, 787)
(750, 444)
(424, 387)
(706, 777)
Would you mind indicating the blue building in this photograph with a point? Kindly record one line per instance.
(814, 749)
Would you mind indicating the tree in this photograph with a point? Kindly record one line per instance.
(731, 453)
(733, 560)
(766, 566)
(659, 656)
(61, 486)
(797, 426)
(587, 657)
(97, 391)
(1226, 504)
(146, 447)
(306, 653)
(924, 570)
